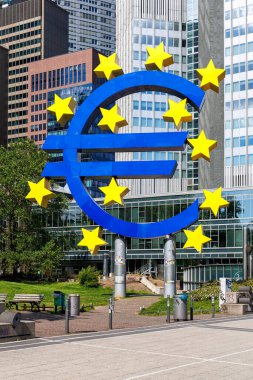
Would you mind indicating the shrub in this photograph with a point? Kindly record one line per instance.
(89, 277)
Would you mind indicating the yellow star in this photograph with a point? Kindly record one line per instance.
(40, 192)
(158, 58)
(210, 77)
(108, 67)
(112, 119)
(213, 201)
(195, 239)
(177, 113)
(201, 147)
(114, 193)
(63, 109)
(92, 240)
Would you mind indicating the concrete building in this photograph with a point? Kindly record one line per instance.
(211, 118)
(31, 30)
(3, 95)
(141, 24)
(238, 24)
(92, 24)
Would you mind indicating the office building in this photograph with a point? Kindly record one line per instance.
(67, 75)
(141, 24)
(92, 24)
(31, 30)
(3, 95)
(238, 25)
(230, 232)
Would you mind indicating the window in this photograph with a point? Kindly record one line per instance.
(135, 121)
(135, 104)
(250, 84)
(236, 142)
(228, 161)
(136, 55)
(227, 143)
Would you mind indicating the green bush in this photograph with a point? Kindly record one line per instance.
(89, 277)
(206, 291)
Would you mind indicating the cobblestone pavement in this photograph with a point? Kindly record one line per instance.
(126, 315)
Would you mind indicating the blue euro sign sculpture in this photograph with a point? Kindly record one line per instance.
(77, 138)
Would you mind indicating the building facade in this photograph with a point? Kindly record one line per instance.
(92, 24)
(141, 24)
(230, 232)
(31, 30)
(238, 25)
(3, 95)
(67, 75)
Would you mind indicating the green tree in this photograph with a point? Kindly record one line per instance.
(22, 225)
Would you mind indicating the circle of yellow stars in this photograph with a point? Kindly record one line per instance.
(112, 120)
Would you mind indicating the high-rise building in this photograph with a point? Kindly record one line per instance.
(92, 24)
(3, 94)
(31, 30)
(238, 25)
(141, 24)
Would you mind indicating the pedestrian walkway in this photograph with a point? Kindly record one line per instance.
(210, 350)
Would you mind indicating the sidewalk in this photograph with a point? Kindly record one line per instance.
(126, 315)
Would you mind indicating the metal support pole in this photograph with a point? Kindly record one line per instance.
(120, 268)
(245, 256)
(169, 267)
(111, 264)
(67, 310)
(191, 307)
(105, 266)
(110, 313)
(213, 306)
(168, 310)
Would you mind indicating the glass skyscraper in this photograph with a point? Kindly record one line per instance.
(238, 34)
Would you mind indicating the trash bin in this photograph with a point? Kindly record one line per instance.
(180, 307)
(74, 305)
(59, 300)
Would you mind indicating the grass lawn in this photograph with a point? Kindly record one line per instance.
(160, 307)
(96, 296)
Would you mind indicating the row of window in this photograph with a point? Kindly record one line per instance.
(19, 28)
(149, 122)
(156, 40)
(24, 61)
(41, 116)
(239, 123)
(239, 142)
(37, 97)
(239, 49)
(17, 105)
(159, 24)
(158, 156)
(238, 31)
(239, 86)
(17, 113)
(39, 107)
(142, 55)
(24, 52)
(38, 127)
(239, 104)
(239, 160)
(39, 137)
(30, 42)
(20, 36)
(21, 70)
(149, 106)
(17, 131)
(239, 12)
(59, 77)
(239, 67)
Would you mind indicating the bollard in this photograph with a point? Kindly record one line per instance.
(110, 313)
(168, 309)
(67, 310)
(191, 308)
(213, 306)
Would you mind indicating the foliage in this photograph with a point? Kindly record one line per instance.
(206, 291)
(89, 277)
(96, 296)
(22, 232)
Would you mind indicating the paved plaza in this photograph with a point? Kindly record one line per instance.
(213, 349)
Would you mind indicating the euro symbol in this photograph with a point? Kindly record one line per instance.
(77, 138)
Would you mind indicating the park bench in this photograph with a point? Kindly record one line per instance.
(3, 297)
(33, 299)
